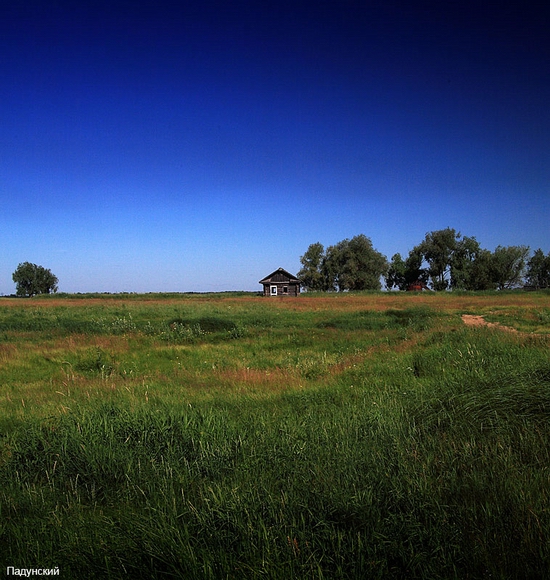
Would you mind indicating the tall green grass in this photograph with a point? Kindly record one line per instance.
(415, 450)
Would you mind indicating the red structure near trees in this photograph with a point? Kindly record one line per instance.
(417, 286)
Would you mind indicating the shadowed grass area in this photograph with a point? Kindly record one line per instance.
(313, 443)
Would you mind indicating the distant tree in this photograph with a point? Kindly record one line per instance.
(508, 266)
(460, 263)
(538, 270)
(481, 272)
(472, 267)
(330, 270)
(403, 273)
(437, 250)
(31, 279)
(414, 272)
(335, 257)
(348, 265)
(354, 265)
(462, 260)
(311, 273)
(395, 276)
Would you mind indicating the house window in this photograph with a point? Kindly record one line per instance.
(285, 289)
(273, 290)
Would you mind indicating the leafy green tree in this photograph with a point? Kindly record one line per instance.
(437, 250)
(348, 265)
(414, 272)
(311, 273)
(461, 263)
(472, 267)
(395, 276)
(481, 273)
(31, 279)
(335, 258)
(455, 262)
(508, 266)
(538, 270)
(402, 273)
(354, 265)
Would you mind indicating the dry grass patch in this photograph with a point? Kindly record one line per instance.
(7, 351)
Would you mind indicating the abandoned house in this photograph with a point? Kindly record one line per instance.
(281, 283)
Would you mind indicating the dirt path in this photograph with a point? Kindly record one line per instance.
(475, 320)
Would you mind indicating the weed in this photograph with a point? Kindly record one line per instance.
(95, 361)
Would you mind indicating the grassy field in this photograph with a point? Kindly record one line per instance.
(234, 436)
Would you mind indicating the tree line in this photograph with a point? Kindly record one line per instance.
(444, 260)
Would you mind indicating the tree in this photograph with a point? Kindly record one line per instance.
(462, 259)
(471, 266)
(31, 279)
(354, 265)
(414, 272)
(437, 250)
(508, 266)
(311, 273)
(395, 276)
(403, 273)
(481, 272)
(538, 270)
(348, 265)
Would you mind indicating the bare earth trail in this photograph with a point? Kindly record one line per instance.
(476, 320)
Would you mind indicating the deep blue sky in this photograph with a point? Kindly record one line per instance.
(198, 146)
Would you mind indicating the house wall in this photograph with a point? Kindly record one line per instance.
(292, 289)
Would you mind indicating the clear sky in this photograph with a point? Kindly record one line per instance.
(199, 145)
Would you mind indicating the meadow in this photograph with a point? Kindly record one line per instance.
(369, 435)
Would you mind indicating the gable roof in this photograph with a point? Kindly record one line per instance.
(280, 275)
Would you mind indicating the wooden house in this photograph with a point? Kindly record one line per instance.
(281, 283)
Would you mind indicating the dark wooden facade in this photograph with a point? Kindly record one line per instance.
(281, 283)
